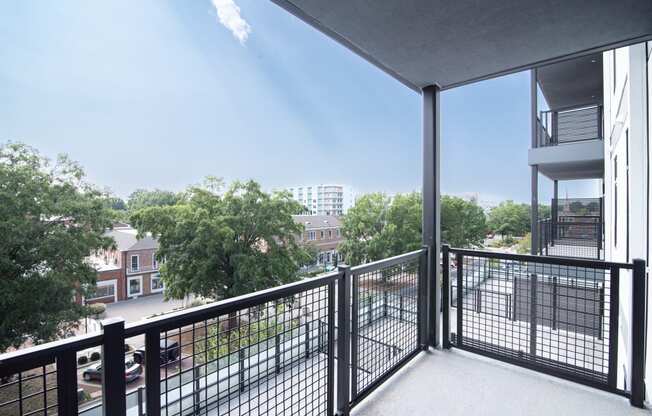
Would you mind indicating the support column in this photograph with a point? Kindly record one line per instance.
(431, 208)
(534, 203)
(554, 211)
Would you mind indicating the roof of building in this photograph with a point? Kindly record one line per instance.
(126, 239)
(317, 221)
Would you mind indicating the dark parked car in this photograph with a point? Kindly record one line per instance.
(133, 370)
(169, 352)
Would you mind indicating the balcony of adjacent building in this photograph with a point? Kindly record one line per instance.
(568, 143)
(575, 228)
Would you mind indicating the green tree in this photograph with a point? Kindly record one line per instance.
(463, 223)
(50, 221)
(509, 219)
(379, 226)
(143, 198)
(224, 246)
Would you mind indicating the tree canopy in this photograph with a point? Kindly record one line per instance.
(50, 221)
(510, 219)
(379, 226)
(143, 198)
(463, 223)
(224, 246)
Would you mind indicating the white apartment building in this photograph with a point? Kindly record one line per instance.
(324, 199)
(595, 122)
(627, 127)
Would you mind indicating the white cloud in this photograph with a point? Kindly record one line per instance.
(229, 15)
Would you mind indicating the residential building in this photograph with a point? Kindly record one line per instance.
(594, 123)
(324, 199)
(128, 271)
(324, 234)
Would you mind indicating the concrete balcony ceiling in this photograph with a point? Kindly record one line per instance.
(449, 43)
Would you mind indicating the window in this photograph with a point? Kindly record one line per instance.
(135, 286)
(157, 283)
(154, 262)
(311, 235)
(104, 290)
(135, 263)
(328, 257)
(337, 232)
(321, 235)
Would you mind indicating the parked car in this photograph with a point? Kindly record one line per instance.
(169, 351)
(133, 370)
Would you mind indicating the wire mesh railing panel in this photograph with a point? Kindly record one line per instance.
(554, 317)
(385, 320)
(571, 239)
(267, 359)
(30, 392)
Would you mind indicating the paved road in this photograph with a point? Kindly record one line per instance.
(137, 309)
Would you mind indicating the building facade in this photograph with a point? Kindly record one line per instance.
(324, 199)
(324, 234)
(129, 271)
(592, 120)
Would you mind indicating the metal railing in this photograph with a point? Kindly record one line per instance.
(555, 127)
(558, 316)
(143, 269)
(580, 237)
(269, 352)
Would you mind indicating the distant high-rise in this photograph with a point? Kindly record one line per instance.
(324, 199)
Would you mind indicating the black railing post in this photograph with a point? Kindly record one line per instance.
(67, 383)
(307, 339)
(614, 306)
(277, 353)
(445, 296)
(639, 290)
(422, 305)
(344, 340)
(533, 315)
(330, 400)
(153, 372)
(460, 298)
(114, 400)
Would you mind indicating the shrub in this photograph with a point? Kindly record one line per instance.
(96, 309)
(95, 356)
(82, 360)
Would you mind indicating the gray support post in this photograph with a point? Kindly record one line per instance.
(639, 289)
(114, 399)
(534, 228)
(431, 207)
(344, 340)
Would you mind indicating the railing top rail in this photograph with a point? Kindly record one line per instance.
(32, 357)
(392, 261)
(226, 306)
(572, 108)
(43, 354)
(559, 261)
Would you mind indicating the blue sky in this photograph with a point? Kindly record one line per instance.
(160, 94)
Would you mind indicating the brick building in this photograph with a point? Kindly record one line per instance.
(324, 233)
(129, 271)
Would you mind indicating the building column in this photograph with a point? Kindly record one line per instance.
(534, 203)
(431, 208)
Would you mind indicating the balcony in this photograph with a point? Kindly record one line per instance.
(324, 345)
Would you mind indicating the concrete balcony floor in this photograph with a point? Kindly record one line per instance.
(459, 383)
